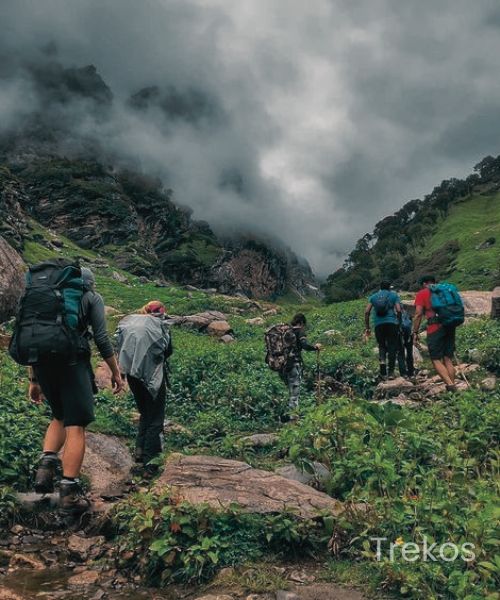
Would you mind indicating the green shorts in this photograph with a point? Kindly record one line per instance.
(69, 389)
(441, 343)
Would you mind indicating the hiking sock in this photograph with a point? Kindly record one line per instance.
(50, 455)
(69, 479)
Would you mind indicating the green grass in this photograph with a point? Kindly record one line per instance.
(471, 223)
(421, 471)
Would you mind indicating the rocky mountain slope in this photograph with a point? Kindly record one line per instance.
(454, 233)
(56, 169)
(132, 220)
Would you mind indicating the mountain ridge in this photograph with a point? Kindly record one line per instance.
(454, 233)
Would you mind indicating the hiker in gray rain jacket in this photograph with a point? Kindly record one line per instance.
(144, 345)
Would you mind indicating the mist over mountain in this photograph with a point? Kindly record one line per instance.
(304, 122)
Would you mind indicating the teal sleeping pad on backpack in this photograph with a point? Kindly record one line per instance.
(447, 304)
(47, 323)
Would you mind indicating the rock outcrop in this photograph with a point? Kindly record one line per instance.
(221, 482)
(132, 219)
(12, 270)
(107, 464)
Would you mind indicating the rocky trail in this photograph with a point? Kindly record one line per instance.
(42, 557)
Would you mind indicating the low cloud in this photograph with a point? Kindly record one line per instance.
(306, 121)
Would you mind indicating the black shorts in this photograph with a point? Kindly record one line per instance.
(69, 390)
(441, 343)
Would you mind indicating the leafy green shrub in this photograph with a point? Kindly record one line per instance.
(180, 542)
(22, 425)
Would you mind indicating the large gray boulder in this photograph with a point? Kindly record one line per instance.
(221, 482)
(12, 270)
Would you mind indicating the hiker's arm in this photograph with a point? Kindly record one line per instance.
(399, 312)
(305, 345)
(417, 321)
(97, 320)
(34, 390)
(368, 311)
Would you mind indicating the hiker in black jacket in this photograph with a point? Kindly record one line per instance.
(69, 390)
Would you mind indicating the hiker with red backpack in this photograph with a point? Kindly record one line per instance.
(284, 345)
(443, 308)
(386, 307)
(51, 337)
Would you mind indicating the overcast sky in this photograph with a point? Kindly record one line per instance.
(320, 116)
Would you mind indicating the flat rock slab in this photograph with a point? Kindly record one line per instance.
(107, 464)
(37, 502)
(221, 482)
(476, 303)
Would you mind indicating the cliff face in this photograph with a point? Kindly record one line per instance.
(132, 220)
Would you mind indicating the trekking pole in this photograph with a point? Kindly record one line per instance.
(318, 379)
(460, 371)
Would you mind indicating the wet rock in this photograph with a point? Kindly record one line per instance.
(84, 578)
(221, 482)
(319, 476)
(7, 594)
(255, 321)
(25, 561)
(260, 440)
(83, 547)
(12, 270)
(489, 384)
(218, 328)
(107, 464)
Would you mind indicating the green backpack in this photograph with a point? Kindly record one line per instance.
(48, 319)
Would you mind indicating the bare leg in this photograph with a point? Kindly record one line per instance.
(450, 368)
(74, 451)
(54, 437)
(442, 371)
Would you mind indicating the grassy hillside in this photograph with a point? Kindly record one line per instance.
(427, 471)
(440, 234)
(471, 223)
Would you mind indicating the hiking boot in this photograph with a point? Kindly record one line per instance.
(391, 376)
(451, 388)
(49, 467)
(72, 500)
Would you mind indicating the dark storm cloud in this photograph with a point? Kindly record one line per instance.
(307, 120)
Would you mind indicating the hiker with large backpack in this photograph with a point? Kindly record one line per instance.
(386, 307)
(144, 346)
(405, 345)
(443, 308)
(284, 346)
(51, 337)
